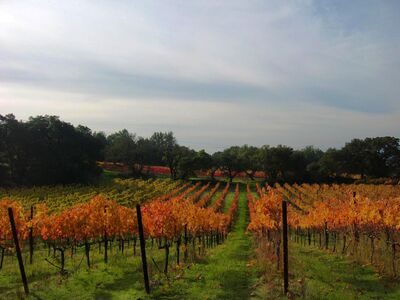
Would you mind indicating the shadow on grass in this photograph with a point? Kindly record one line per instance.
(341, 273)
(234, 285)
(131, 280)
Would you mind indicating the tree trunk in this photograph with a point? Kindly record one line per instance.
(212, 174)
(250, 174)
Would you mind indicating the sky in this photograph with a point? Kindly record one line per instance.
(216, 73)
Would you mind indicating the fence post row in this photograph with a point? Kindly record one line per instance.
(18, 250)
(285, 248)
(143, 248)
(31, 239)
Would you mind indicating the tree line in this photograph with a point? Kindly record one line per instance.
(46, 150)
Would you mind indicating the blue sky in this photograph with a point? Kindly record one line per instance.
(217, 73)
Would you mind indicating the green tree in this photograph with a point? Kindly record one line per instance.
(329, 166)
(46, 150)
(122, 148)
(167, 149)
(230, 162)
(371, 157)
(249, 157)
(276, 162)
(186, 162)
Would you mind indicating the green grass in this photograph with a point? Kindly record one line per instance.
(107, 176)
(337, 277)
(45, 282)
(215, 197)
(228, 203)
(316, 274)
(224, 273)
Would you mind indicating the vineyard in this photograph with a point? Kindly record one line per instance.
(357, 220)
(60, 220)
(195, 234)
(124, 192)
(200, 150)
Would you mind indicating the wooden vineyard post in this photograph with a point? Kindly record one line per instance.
(105, 237)
(18, 250)
(326, 236)
(31, 239)
(285, 248)
(143, 248)
(185, 253)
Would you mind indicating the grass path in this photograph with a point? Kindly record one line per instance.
(317, 274)
(224, 272)
(337, 277)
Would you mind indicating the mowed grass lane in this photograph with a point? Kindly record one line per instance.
(224, 272)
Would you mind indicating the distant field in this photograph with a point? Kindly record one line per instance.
(162, 170)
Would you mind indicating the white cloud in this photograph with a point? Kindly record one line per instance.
(206, 124)
(216, 73)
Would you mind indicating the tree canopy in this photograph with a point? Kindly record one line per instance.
(46, 150)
